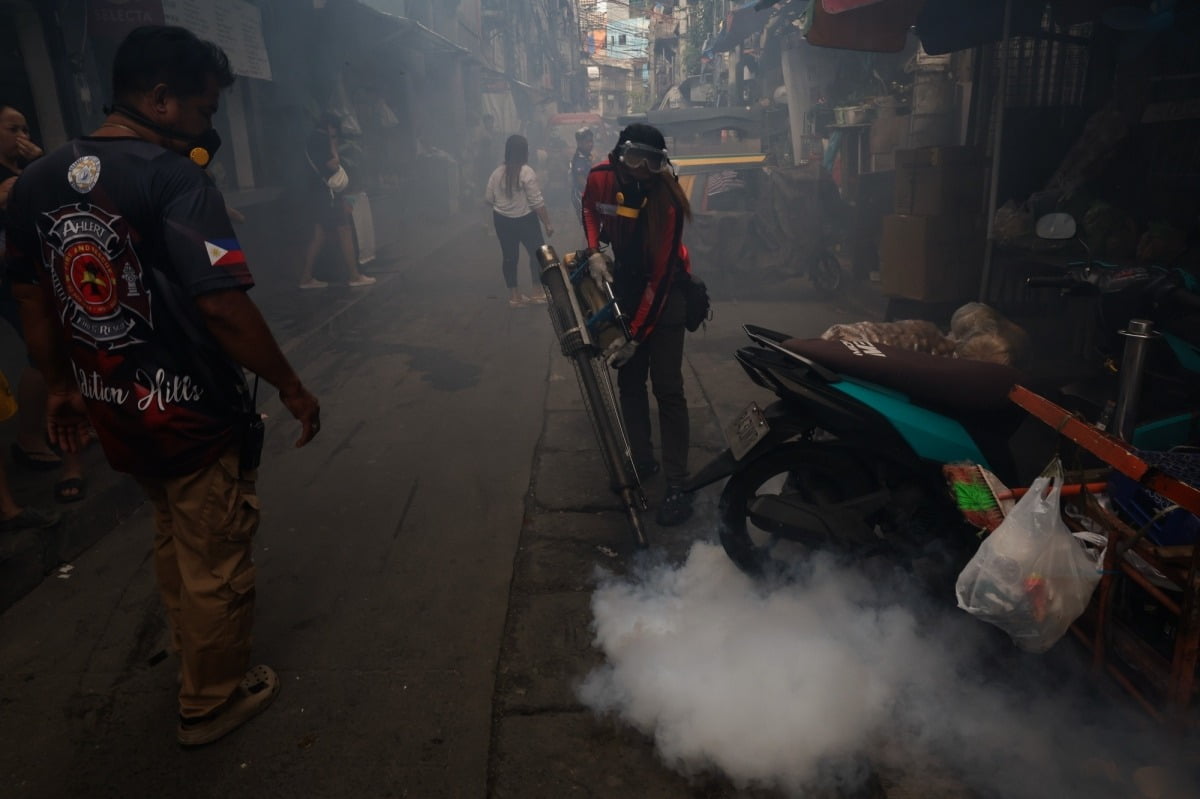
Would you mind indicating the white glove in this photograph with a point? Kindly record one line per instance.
(622, 354)
(599, 267)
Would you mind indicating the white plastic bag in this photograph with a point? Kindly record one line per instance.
(1031, 577)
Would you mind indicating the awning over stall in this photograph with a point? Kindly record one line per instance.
(397, 28)
(744, 20)
(878, 27)
(944, 26)
(838, 6)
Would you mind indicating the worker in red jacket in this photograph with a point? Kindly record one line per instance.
(634, 204)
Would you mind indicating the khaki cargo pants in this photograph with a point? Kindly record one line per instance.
(202, 557)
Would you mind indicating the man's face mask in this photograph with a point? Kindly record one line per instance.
(200, 148)
(635, 155)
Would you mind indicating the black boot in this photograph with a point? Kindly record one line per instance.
(676, 508)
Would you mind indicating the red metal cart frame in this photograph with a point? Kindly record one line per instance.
(1165, 688)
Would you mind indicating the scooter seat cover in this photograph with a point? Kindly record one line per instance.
(958, 383)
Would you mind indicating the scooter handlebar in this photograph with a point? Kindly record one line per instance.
(1051, 282)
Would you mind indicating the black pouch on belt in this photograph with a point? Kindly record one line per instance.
(699, 309)
(254, 433)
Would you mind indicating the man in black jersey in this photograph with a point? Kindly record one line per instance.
(132, 287)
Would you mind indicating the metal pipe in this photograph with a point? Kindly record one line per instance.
(997, 142)
(1133, 364)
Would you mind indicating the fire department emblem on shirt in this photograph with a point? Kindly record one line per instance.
(83, 173)
(96, 275)
(90, 279)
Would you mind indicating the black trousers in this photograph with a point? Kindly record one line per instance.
(513, 233)
(659, 358)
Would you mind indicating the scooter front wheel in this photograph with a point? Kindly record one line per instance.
(790, 501)
(827, 273)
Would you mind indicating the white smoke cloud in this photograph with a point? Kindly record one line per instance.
(798, 686)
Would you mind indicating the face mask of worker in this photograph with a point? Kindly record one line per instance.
(200, 149)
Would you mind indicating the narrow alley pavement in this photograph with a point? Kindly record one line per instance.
(425, 567)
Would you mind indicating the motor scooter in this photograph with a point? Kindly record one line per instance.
(850, 454)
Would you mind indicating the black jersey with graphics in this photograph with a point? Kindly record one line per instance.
(123, 235)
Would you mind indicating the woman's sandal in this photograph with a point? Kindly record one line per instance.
(63, 489)
(33, 460)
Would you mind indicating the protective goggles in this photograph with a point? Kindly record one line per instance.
(634, 156)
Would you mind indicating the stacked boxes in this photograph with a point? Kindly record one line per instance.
(932, 248)
(889, 134)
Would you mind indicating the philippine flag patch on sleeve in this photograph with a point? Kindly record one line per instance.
(225, 252)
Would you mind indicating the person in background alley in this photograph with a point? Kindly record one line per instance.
(634, 203)
(353, 157)
(485, 143)
(581, 165)
(328, 211)
(132, 288)
(30, 450)
(517, 205)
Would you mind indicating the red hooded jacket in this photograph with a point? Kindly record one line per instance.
(605, 221)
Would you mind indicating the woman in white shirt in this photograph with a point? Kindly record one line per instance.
(517, 205)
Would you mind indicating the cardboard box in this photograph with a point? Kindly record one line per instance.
(928, 190)
(931, 258)
(939, 156)
(883, 162)
(889, 134)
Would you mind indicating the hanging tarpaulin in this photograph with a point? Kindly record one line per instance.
(838, 6)
(1075, 12)
(946, 26)
(880, 27)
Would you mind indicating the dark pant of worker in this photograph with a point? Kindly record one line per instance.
(513, 234)
(659, 357)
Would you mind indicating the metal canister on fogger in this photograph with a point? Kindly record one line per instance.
(608, 326)
(584, 312)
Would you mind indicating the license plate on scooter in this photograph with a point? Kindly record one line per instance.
(746, 430)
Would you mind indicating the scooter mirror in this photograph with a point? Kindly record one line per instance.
(1056, 226)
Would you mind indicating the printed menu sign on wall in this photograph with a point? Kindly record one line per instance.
(235, 25)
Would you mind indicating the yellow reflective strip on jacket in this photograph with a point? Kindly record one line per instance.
(627, 212)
